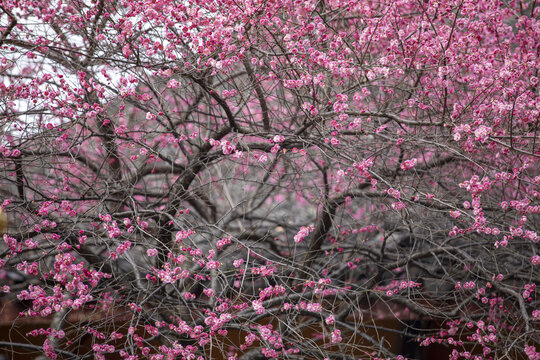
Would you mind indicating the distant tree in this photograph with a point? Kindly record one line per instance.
(184, 173)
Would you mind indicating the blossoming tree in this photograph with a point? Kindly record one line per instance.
(271, 178)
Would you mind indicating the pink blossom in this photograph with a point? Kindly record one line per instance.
(126, 50)
(278, 138)
(336, 336)
(173, 84)
(257, 306)
(303, 233)
(408, 164)
(398, 205)
(330, 320)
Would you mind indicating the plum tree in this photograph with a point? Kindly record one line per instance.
(271, 178)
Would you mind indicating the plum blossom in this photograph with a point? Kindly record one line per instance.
(173, 84)
(303, 233)
(408, 164)
(330, 320)
(335, 337)
(257, 306)
(482, 132)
